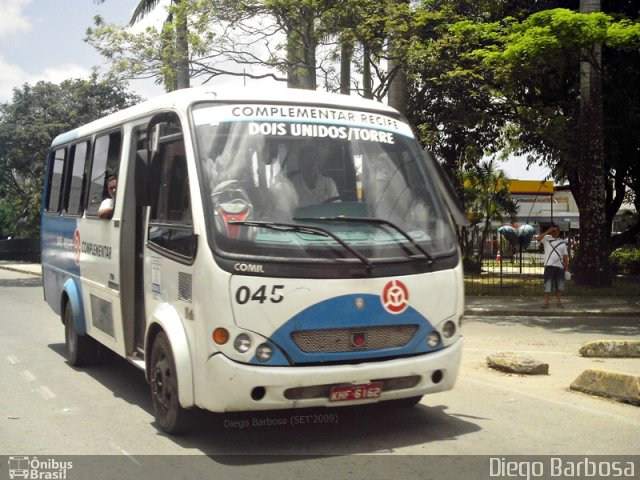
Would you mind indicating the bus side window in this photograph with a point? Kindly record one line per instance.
(56, 177)
(106, 160)
(75, 188)
(171, 225)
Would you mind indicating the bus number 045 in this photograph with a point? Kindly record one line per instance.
(262, 295)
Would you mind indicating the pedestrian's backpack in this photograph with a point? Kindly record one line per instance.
(559, 241)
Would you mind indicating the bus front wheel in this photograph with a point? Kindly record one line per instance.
(170, 416)
(81, 349)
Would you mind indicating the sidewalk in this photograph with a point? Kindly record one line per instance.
(573, 306)
(30, 268)
(492, 305)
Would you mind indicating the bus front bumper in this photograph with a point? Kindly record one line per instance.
(230, 386)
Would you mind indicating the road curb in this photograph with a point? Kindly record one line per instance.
(493, 312)
(623, 387)
(21, 270)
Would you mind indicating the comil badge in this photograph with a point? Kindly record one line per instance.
(395, 297)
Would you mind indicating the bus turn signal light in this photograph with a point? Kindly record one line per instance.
(220, 336)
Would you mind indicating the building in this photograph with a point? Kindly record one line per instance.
(541, 203)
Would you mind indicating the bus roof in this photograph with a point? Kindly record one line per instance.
(182, 98)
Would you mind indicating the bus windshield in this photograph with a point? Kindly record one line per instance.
(303, 182)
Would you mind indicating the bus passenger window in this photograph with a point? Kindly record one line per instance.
(77, 181)
(106, 160)
(55, 181)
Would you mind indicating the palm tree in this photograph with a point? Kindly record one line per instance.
(176, 51)
(487, 198)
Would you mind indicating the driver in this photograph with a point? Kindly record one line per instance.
(311, 186)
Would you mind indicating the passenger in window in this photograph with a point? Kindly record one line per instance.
(106, 207)
(311, 186)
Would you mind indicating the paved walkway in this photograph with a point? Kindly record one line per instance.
(493, 305)
(573, 306)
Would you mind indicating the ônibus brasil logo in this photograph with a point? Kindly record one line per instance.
(34, 468)
(395, 297)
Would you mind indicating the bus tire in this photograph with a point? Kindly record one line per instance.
(170, 416)
(82, 350)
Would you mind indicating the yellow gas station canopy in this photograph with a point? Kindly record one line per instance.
(532, 187)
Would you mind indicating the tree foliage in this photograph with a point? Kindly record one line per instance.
(512, 83)
(299, 42)
(28, 124)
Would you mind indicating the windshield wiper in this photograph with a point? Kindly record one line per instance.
(375, 221)
(308, 229)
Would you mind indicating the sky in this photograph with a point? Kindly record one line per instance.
(44, 40)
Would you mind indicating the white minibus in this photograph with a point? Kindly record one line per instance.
(255, 250)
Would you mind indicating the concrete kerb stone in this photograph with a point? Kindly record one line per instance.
(622, 387)
(611, 349)
(618, 386)
(512, 363)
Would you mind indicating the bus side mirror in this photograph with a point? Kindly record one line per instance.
(448, 193)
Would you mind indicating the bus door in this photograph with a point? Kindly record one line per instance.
(170, 249)
(98, 238)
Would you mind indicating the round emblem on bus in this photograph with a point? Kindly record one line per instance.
(395, 297)
(76, 246)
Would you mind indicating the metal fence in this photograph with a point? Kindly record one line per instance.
(506, 270)
(507, 273)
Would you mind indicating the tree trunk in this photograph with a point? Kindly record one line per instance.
(592, 266)
(367, 82)
(398, 80)
(301, 53)
(346, 54)
(398, 87)
(182, 47)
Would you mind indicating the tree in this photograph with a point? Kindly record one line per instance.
(537, 71)
(487, 198)
(163, 54)
(514, 82)
(285, 40)
(28, 124)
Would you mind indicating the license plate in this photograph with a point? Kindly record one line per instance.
(345, 393)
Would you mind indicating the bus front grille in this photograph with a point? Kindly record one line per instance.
(323, 391)
(334, 340)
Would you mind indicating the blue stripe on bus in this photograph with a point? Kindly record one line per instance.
(341, 312)
(58, 243)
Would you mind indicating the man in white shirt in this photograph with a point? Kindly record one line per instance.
(106, 207)
(556, 262)
(311, 186)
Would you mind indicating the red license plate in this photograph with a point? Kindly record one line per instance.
(345, 393)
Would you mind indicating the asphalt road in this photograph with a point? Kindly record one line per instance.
(50, 408)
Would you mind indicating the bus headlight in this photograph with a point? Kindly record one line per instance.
(449, 329)
(433, 339)
(264, 352)
(242, 343)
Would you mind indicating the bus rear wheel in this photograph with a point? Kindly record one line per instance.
(82, 350)
(170, 416)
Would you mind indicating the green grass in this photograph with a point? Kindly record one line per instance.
(522, 285)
